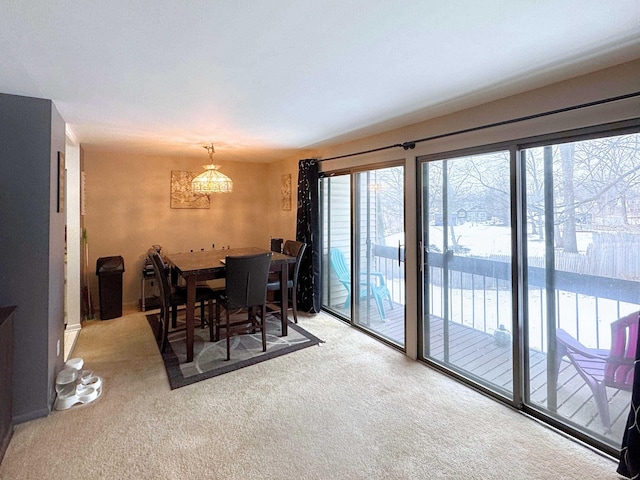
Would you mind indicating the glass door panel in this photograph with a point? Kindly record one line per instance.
(379, 287)
(336, 244)
(363, 250)
(467, 285)
(583, 267)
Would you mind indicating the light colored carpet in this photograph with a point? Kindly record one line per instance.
(351, 408)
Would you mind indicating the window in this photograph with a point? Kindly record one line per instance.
(530, 271)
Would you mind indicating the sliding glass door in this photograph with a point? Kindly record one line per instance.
(467, 284)
(530, 272)
(363, 247)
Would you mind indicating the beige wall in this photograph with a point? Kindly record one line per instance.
(620, 80)
(128, 211)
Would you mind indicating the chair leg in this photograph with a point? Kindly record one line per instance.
(217, 326)
(211, 319)
(228, 337)
(165, 330)
(164, 343)
(202, 314)
(161, 321)
(600, 396)
(561, 351)
(380, 306)
(174, 316)
(347, 302)
(251, 317)
(263, 327)
(294, 304)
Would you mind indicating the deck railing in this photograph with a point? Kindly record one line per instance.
(480, 295)
(390, 262)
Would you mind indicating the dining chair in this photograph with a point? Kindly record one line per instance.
(172, 298)
(245, 289)
(276, 245)
(179, 286)
(603, 368)
(292, 249)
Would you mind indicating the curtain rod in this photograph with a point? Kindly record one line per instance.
(412, 143)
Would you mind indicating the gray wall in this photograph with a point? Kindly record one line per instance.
(32, 247)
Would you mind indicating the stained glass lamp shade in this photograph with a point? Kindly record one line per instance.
(211, 180)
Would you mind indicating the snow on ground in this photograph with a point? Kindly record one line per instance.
(484, 240)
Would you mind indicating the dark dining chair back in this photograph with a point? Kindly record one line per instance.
(165, 294)
(292, 249)
(246, 284)
(276, 245)
(246, 288)
(161, 277)
(171, 298)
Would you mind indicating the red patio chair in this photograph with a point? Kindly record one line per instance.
(603, 368)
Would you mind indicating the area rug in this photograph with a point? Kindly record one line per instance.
(209, 358)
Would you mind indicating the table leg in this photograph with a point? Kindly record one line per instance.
(190, 310)
(284, 298)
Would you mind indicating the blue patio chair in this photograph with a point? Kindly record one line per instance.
(375, 288)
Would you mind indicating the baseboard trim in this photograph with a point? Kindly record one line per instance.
(25, 417)
(70, 339)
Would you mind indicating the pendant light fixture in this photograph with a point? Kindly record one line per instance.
(211, 180)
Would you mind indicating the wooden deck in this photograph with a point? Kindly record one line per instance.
(391, 329)
(477, 353)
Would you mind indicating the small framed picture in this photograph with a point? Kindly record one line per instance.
(285, 191)
(61, 181)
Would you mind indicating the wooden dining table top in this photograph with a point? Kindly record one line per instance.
(211, 262)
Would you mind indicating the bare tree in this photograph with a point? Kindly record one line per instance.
(568, 240)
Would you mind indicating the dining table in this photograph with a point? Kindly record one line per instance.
(204, 265)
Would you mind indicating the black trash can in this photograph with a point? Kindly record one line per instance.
(109, 271)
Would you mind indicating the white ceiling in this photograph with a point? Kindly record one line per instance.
(264, 79)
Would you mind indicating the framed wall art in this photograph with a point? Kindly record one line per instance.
(181, 194)
(61, 181)
(285, 191)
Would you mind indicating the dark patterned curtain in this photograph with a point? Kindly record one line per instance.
(630, 454)
(308, 231)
